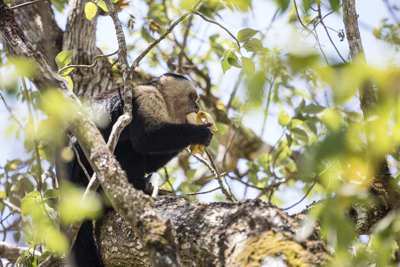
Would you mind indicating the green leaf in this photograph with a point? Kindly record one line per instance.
(246, 34)
(307, 5)
(70, 83)
(102, 5)
(224, 62)
(298, 62)
(313, 109)
(66, 71)
(295, 123)
(234, 62)
(254, 45)
(51, 193)
(283, 4)
(29, 202)
(3, 195)
(300, 134)
(64, 58)
(90, 10)
(312, 127)
(335, 4)
(284, 118)
(248, 66)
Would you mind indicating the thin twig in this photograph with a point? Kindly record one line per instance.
(168, 181)
(12, 207)
(87, 66)
(310, 31)
(218, 176)
(329, 36)
(79, 158)
(26, 4)
(35, 141)
(204, 192)
(311, 187)
(10, 111)
(189, 24)
(216, 23)
(168, 31)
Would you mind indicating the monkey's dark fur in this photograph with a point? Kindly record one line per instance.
(157, 133)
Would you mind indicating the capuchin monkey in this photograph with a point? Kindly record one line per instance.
(157, 133)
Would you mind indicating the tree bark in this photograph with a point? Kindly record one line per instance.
(41, 29)
(80, 36)
(246, 233)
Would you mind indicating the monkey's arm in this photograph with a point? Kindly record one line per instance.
(169, 138)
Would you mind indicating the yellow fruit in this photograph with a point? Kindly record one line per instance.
(194, 118)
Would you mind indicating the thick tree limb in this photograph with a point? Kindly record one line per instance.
(245, 233)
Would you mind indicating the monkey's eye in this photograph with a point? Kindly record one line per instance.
(192, 97)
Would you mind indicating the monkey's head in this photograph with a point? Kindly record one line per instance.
(180, 95)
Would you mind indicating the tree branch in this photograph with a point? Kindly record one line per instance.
(168, 31)
(12, 252)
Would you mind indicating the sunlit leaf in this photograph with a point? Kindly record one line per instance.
(186, 4)
(51, 193)
(71, 204)
(67, 71)
(102, 5)
(233, 60)
(254, 45)
(335, 4)
(90, 10)
(313, 109)
(64, 57)
(246, 34)
(298, 62)
(248, 66)
(284, 119)
(70, 83)
(300, 134)
(224, 62)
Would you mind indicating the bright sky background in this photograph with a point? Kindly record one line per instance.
(371, 12)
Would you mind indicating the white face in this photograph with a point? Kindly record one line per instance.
(182, 95)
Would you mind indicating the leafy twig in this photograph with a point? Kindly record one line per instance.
(87, 66)
(216, 23)
(168, 31)
(329, 36)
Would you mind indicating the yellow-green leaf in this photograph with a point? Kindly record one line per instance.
(284, 118)
(102, 5)
(70, 83)
(64, 58)
(90, 10)
(246, 34)
(248, 66)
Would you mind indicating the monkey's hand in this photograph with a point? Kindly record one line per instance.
(204, 120)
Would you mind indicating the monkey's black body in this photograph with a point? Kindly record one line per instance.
(144, 147)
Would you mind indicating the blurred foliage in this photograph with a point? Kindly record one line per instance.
(311, 100)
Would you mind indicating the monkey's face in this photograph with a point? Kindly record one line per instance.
(186, 103)
(182, 96)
